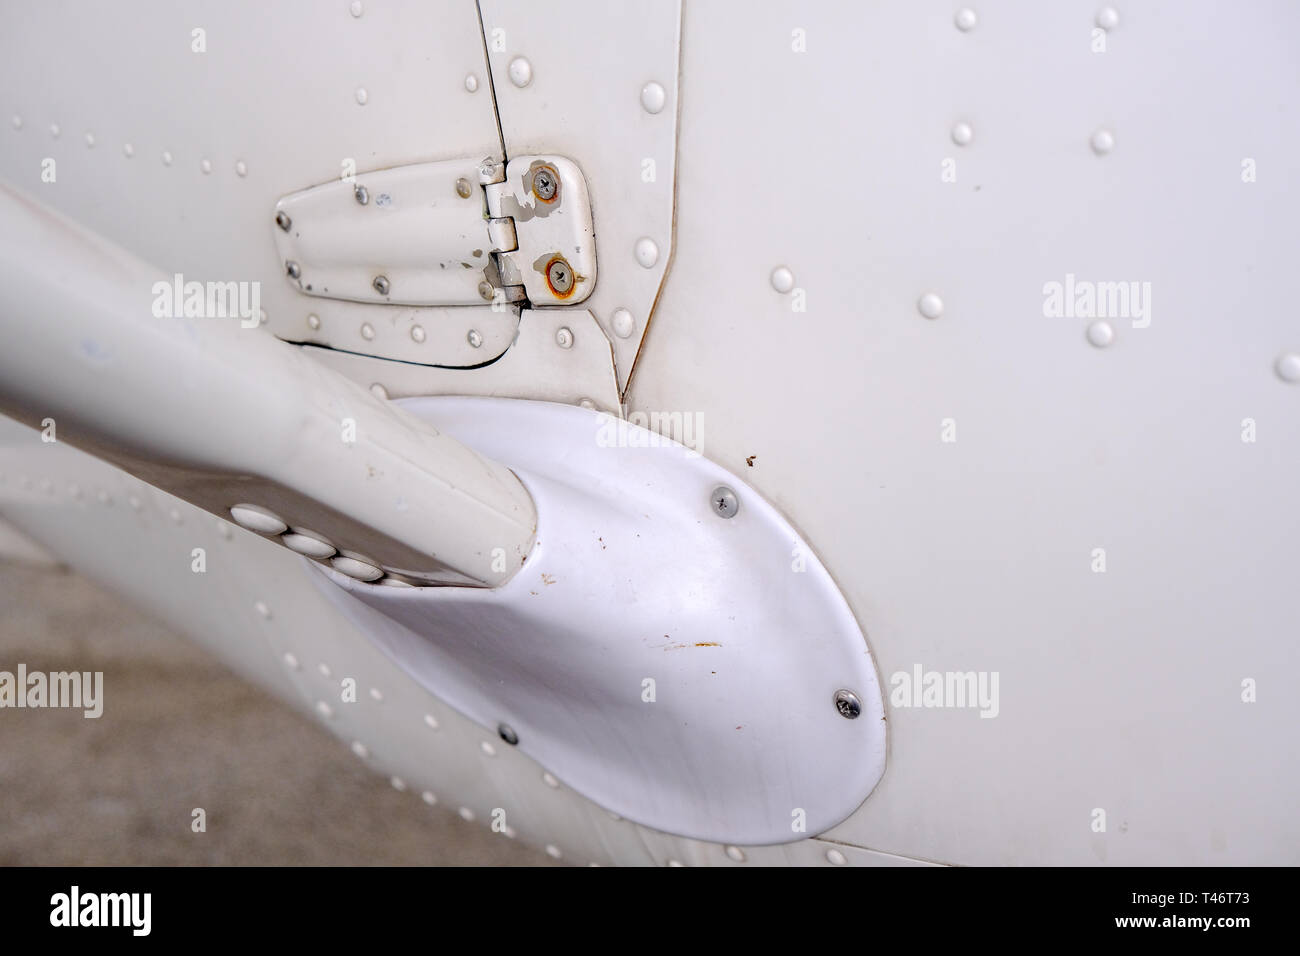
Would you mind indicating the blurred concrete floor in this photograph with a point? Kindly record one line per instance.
(184, 732)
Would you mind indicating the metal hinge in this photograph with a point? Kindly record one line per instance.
(444, 234)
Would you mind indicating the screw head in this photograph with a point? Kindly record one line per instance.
(292, 269)
(361, 194)
(381, 285)
(283, 221)
(507, 733)
(559, 276)
(724, 501)
(847, 703)
(545, 184)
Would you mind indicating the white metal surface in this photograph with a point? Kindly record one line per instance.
(676, 667)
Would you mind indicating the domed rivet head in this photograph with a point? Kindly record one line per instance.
(463, 188)
(521, 72)
(1101, 334)
(362, 96)
(564, 338)
(1102, 142)
(623, 323)
(930, 305)
(847, 703)
(962, 134)
(965, 19)
(646, 251)
(588, 404)
(724, 501)
(471, 83)
(380, 285)
(836, 858)
(474, 338)
(735, 853)
(313, 321)
(128, 150)
(241, 168)
(166, 158)
(367, 331)
(292, 270)
(1108, 18)
(545, 184)
(356, 8)
(417, 333)
(782, 279)
(361, 194)
(90, 140)
(206, 166)
(283, 221)
(1287, 367)
(559, 276)
(653, 97)
(507, 733)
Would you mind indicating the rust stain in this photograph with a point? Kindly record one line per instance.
(707, 644)
(750, 460)
(547, 579)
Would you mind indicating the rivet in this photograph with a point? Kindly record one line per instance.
(1108, 18)
(175, 515)
(966, 19)
(736, 853)
(549, 779)
(1103, 141)
(166, 158)
(397, 783)
(360, 750)
(487, 748)
(281, 219)
(545, 184)
(564, 337)
(362, 95)
(559, 276)
(463, 188)
(466, 814)
(361, 194)
(290, 661)
(429, 798)
(588, 404)
(521, 72)
(356, 9)
(292, 269)
(54, 130)
(474, 338)
(1101, 333)
(930, 305)
(507, 733)
(1287, 367)
(647, 252)
(257, 519)
(417, 333)
(18, 122)
(848, 704)
(962, 134)
(313, 320)
(359, 570)
(241, 169)
(379, 391)
(782, 279)
(724, 501)
(431, 721)
(128, 150)
(652, 97)
(324, 670)
(485, 290)
(623, 323)
(553, 851)
(206, 166)
(675, 863)
(324, 709)
(836, 857)
(308, 545)
(380, 285)
(90, 140)
(376, 695)
(262, 610)
(471, 83)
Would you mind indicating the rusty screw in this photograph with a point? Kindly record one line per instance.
(545, 183)
(560, 276)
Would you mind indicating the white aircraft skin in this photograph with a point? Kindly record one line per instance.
(874, 444)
